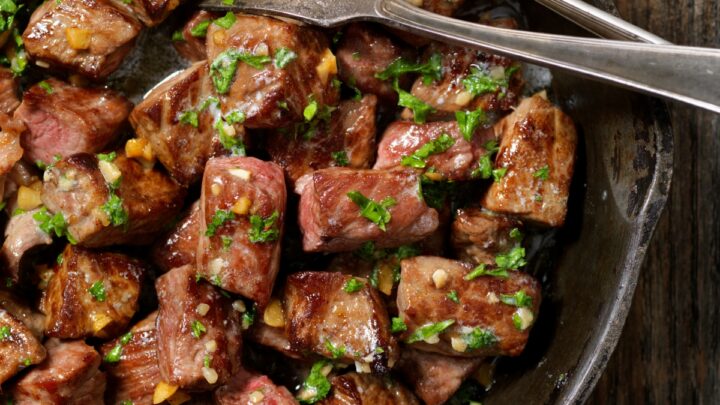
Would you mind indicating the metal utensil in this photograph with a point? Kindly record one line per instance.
(601, 23)
(687, 74)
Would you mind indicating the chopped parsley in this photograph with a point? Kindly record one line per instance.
(4, 333)
(430, 70)
(542, 173)
(283, 57)
(235, 117)
(484, 170)
(226, 21)
(232, 143)
(97, 290)
(264, 229)
(316, 386)
(335, 351)
(516, 234)
(419, 108)
(115, 210)
(512, 260)
(479, 338)
(480, 82)
(206, 361)
(520, 299)
(340, 158)
(107, 157)
(397, 325)
(113, 356)
(310, 110)
(418, 159)
(376, 213)
(499, 173)
(482, 270)
(200, 30)
(428, 331)
(8, 8)
(189, 117)
(226, 242)
(353, 285)
(222, 69)
(43, 84)
(248, 317)
(177, 36)
(197, 329)
(453, 296)
(219, 218)
(468, 121)
(127, 402)
(52, 224)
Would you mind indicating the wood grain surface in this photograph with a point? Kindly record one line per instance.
(669, 352)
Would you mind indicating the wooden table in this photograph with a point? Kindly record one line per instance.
(669, 352)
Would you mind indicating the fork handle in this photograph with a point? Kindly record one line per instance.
(687, 74)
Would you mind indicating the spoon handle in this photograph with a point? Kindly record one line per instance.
(687, 74)
(599, 22)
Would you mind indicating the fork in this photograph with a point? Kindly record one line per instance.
(687, 74)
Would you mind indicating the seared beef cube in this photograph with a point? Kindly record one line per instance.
(448, 314)
(176, 118)
(451, 156)
(63, 120)
(131, 364)
(241, 220)
(268, 95)
(347, 140)
(198, 332)
(478, 236)
(91, 294)
(444, 7)
(90, 37)
(359, 389)
(10, 149)
(332, 222)
(150, 12)
(179, 246)
(140, 208)
(21, 235)
(339, 317)
(69, 376)
(460, 66)
(8, 91)
(247, 388)
(538, 152)
(273, 337)
(19, 348)
(365, 51)
(435, 377)
(192, 45)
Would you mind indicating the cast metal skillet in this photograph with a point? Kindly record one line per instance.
(621, 183)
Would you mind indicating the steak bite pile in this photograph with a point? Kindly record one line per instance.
(352, 205)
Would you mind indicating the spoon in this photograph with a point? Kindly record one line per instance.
(687, 74)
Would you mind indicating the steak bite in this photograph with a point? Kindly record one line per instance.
(359, 389)
(388, 209)
(538, 153)
(339, 317)
(436, 147)
(99, 211)
(470, 80)
(447, 313)
(248, 388)
(22, 235)
(63, 120)
(69, 376)
(365, 51)
(10, 149)
(478, 236)
(241, 224)
(177, 119)
(92, 294)
(435, 377)
(131, 364)
(198, 332)
(90, 37)
(348, 139)
(9, 88)
(192, 44)
(19, 348)
(179, 246)
(271, 70)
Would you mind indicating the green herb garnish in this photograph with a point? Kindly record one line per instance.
(479, 338)
(468, 121)
(397, 325)
(427, 331)
(197, 329)
(430, 70)
(222, 69)
(283, 57)
(316, 386)
(418, 159)
(4, 333)
(53, 224)
(419, 108)
(542, 173)
(264, 229)
(219, 218)
(480, 82)
(43, 84)
(353, 285)
(453, 296)
(520, 299)
(200, 30)
(335, 351)
(226, 21)
(107, 157)
(376, 213)
(115, 210)
(340, 158)
(97, 290)
(189, 117)
(482, 270)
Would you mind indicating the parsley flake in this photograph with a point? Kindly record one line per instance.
(115, 210)
(468, 121)
(200, 30)
(430, 70)
(264, 229)
(419, 108)
(335, 351)
(226, 21)
(283, 57)
(189, 117)
(310, 110)
(316, 386)
(428, 331)
(397, 325)
(453, 296)
(97, 290)
(340, 158)
(197, 329)
(482, 270)
(376, 213)
(481, 82)
(219, 218)
(418, 159)
(520, 299)
(44, 85)
(4, 333)
(353, 285)
(512, 260)
(52, 224)
(222, 69)
(542, 173)
(479, 338)
(107, 157)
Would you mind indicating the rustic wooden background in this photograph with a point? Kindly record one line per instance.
(669, 352)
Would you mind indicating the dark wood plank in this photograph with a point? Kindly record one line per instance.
(669, 352)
